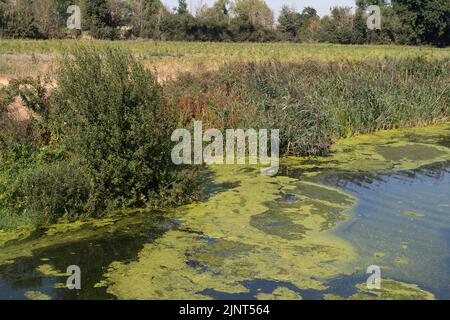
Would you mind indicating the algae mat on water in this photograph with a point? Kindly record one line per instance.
(223, 245)
(272, 229)
(390, 290)
(384, 151)
(255, 229)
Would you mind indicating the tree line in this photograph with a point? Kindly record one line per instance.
(403, 21)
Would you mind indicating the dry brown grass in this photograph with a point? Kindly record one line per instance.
(23, 57)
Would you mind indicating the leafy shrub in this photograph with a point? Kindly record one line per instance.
(26, 183)
(54, 190)
(109, 111)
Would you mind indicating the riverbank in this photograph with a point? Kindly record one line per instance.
(108, 146)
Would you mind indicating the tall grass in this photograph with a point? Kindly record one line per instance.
(314, 103)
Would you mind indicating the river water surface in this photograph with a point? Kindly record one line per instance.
(309, 233)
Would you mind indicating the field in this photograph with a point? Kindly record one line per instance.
(22, 57)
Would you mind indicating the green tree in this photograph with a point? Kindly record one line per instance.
(147, 16)
(289, 23)
(257, 12)
(3, 16)
(20, 21)
(182, 7)
(309, 13)
(309, 25)
(339, 26)
(213, 24)
(425, 21)
(220, 11)
(48, 21)
(118, 10)
(99, 19)
(222, 7)
(179, 25)
(364, 4)
(253, 21)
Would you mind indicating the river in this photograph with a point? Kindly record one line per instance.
(310, 233)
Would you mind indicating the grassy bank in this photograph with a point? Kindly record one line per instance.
(100, 139)
(314, 103)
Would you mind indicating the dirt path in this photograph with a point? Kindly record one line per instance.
(3, 81)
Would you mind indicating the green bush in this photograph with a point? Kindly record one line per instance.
(49, 192)
(109, 111)
(108, 144)
(31, 185)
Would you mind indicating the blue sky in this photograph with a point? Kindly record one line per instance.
(322, 6)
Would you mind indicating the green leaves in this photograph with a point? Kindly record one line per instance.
(110, 111)
(425, 21)
(113, 147)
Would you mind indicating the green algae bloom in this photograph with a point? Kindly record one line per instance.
(230, 239)
(384, 151)
(413, 214)
(279, 294)
(253, 227)
(49, 270)
(23, 242)
(36, 295)
(248, 232)
(9, 236)
(390, 290)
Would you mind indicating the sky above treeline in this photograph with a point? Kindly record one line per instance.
(322, 6)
